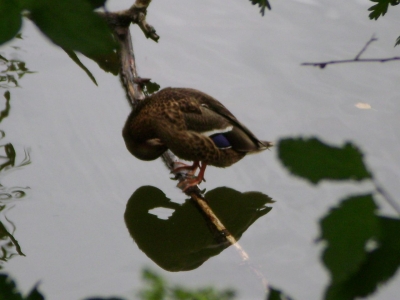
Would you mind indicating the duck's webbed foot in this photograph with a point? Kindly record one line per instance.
(195, 180)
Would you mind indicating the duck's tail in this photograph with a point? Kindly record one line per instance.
(264, 145)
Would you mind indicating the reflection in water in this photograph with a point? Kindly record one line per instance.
(8, 244)
(187, 239)
(10, 72)
(8, 157)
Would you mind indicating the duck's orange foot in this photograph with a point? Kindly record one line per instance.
(186, 184)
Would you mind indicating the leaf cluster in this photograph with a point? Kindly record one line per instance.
(316, 161)
(156, 289)
(262, 4)
(12, 71)
(362, 247)
(71, 24)
(275, 294)
(380, 8)
(9, 290)
(150, 88)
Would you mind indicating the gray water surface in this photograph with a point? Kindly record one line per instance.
(70, 224)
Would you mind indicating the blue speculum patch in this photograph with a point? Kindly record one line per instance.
(220, 141)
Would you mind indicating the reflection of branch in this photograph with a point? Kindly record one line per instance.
(12, 238)
(5, 232)
(4, 113)
(355, 59)
(132, 83)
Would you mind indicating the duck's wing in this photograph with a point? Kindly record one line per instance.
(208, 116)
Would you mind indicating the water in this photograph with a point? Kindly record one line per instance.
(70, 224)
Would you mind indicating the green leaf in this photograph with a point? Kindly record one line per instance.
(108, 62)
(346, 230)
(150, 88)
(158, 289)
(315, 161)
(35, 294)
(9, 290)
(380, 264)
(262, 4)
(10, 20)
(181, 293)
(380, 9)
(157, 286)
(397, 41)
(76, 60)
(97, 3)
(73, 25)
(275, 294)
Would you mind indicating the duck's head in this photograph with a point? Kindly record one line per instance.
(147, 150)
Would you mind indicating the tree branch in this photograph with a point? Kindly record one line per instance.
(136, 14)
(357, 58)
(372, 39)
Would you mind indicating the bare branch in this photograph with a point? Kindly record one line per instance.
(324, 64)
(136, 14)
(356, 59)
(372, 39)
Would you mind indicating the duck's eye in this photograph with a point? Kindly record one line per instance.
(220, 141)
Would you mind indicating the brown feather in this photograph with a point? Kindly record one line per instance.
(177, 118)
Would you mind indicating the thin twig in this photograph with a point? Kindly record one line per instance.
(136, 14)
(356, 59)
(372, 39)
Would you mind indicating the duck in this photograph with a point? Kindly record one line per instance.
(192, 125)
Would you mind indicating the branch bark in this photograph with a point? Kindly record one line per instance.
(136, 14)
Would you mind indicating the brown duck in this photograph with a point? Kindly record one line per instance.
(194, 126)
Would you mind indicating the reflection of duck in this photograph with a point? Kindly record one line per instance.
(186, 239)
(194, 126)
